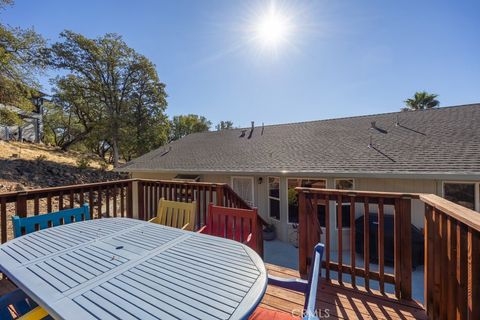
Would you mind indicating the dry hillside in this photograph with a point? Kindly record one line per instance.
(29, 166)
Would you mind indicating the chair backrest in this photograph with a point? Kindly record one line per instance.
(17, 302)
(30, 224)
(176, 214)
(233, 223)
(313, 279)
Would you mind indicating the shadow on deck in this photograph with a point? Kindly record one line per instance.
(341, 301)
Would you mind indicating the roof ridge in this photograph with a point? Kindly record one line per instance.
(341, 118)
(367, 115)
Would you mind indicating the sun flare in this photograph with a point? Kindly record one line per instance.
(273, 28)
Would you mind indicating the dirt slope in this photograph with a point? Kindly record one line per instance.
(28, 166)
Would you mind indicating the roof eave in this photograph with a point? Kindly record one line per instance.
(327, 174)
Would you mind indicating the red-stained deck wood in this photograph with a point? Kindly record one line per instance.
(342, 301)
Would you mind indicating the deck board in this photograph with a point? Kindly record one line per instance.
(6, 286)
(342, 301)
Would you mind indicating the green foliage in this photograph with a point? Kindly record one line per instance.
(5, 3)
(292, 197)
(186, 124)
(112, 92)
(22, 54)
(22, 58)
(9, 118)
(83, 163)
(224, 125)
(421, 100)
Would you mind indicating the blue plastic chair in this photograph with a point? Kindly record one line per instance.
(31, 224)
(17, 302)
(309, 288)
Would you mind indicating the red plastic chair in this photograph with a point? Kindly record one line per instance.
(232, 223)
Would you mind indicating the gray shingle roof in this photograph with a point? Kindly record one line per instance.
(437, 141)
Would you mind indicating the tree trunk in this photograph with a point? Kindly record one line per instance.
(77, 139)
(115, 152)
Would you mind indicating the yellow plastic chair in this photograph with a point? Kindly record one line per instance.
(176, 214)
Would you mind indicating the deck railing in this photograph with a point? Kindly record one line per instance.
(451, 246)
(150, 191)
(452, 260)
(132, 198)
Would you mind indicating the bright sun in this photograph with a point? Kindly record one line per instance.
(273, 28)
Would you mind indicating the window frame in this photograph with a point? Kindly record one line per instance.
(301, 178)
(343, 203)
(476, 195)
(274, 198)
(337, 179)
(251, 178)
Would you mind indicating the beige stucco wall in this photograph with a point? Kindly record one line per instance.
(287, 232)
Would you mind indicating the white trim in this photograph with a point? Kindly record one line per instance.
(274, 198)
(252, 179)
(476, 190)
(301, 178)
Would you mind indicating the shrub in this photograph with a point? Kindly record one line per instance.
(103, 166)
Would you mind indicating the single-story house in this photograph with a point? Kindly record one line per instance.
(31, 128)
(433, 151)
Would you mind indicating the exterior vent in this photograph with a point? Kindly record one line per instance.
(251, 130)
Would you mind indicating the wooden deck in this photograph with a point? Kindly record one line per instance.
(6, 287)
(342, 301)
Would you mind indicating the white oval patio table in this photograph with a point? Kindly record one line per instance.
(119, 268)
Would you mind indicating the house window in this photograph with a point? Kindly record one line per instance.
(243, 186)
(345, 215)
(344, 184)
(274, 197)
(321, 215)
(293, 195)
(463, 193)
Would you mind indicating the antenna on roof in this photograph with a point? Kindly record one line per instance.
(251, 130)
(263, 127)
(166, 151)
(371, 146)
(373, 126)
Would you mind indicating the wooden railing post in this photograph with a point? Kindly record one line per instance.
(302, 234)
(130, 199)
(403, 248)
(259, 236)
(473, 273)
(220, 193)
(141, 200)
(21, 205)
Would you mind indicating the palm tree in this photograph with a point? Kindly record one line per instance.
(421, 100)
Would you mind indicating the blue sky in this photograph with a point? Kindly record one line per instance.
(342, 58)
